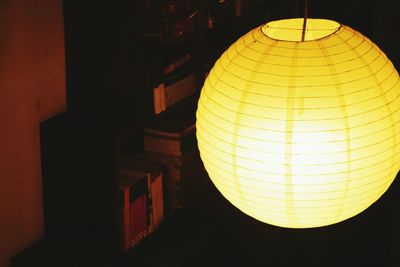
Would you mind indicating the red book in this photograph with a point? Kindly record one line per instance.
(143, 213)
(135, 222)
(138, 204)
(156, 189)
(125, 216)
(131, 167)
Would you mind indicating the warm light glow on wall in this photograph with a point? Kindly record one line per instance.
(301, 134)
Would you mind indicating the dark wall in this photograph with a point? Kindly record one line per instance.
(104, 57)
(32, 89)
(106, 54)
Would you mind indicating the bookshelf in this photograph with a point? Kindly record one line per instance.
(113, 68)
(81, 167)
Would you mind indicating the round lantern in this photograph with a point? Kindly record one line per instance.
(301, 134)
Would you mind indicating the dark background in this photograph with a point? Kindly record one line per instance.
(108, 81)
(107, 55)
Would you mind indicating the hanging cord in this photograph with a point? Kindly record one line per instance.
(303, 32)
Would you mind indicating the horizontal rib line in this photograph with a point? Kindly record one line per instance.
(336, 183)
(226, 178)
(293, 143)
(371, 48)
(311, 175)
(283, 142)
(259, 31)
(311, 97)
(302, 86)
(212, 86)
(249, 149)
(233, 192)
(361, 38)
(299, 120)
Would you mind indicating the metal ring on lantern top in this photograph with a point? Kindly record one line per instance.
(298, 133)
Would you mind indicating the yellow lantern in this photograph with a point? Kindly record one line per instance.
(301, 134)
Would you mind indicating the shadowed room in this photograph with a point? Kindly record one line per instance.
(121, 142)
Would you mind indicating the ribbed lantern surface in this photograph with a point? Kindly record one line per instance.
(301, 134)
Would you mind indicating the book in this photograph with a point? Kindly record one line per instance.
(171, 134)
(157, 201)
(179, 62)
(165, 145)
(138, 202)
(124, 217)
(170, 128)
(166, 95)
(180, 175)
(131, 166)
(159, 98)
(180, 90)
(178, 80)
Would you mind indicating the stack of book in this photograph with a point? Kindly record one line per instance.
(178, 83)
(182, 176)
(170, 140)
(173, 132)
(169, 137)
(141, 200)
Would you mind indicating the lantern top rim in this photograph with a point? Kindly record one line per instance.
(290, 30)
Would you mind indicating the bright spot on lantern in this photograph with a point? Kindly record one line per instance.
(301, 134)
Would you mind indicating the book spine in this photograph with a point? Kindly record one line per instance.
(179, 90)
(126, 219)
(137, 217)
(175, 65)
(169, 147)
(158, 200)
(159, 98)
(143, 218)
(150, 213)
(163, 98)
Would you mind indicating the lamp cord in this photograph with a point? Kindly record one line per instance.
(303, 32)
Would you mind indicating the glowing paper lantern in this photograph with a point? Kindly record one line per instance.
(301, 134)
